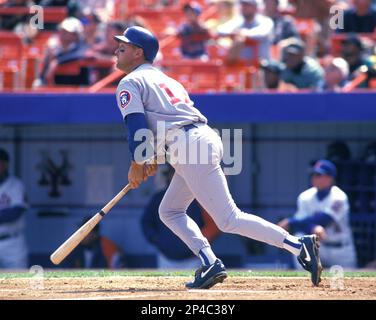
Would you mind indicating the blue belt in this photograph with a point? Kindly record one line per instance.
(188, 127)
(9, 235)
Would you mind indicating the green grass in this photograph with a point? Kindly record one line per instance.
(160, 273)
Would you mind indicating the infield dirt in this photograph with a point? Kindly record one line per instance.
(172, 287)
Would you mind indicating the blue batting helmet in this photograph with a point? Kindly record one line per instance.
(142, 38)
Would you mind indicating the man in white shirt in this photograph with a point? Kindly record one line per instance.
(323, 210)
(13, 250)
(250, 26)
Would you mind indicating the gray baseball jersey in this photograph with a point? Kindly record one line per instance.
(161, 98)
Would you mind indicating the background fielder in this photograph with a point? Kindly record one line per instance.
(146, 98)
(323, 209)
(13, 250)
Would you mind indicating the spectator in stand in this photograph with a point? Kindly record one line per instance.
(284, 25)
(316, 35)
(67, 47)
(72, 6)
(168, 3)
(251, 25)
(361, 18)
(193, 34)
(271, 74)
(12, 21)
(225, 16)
(19, 23)
(156, 4)
(104, 9)
(272, 71)
(315, 9)
(336, 72)
(319, 10)
(301, 71)
(172, 252)
(90, 22)
(226, 13)
(96, 251)
(105, 48)
(353, 52)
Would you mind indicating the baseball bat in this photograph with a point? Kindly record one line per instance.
(72, 242)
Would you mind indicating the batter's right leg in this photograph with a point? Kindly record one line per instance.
(208, 184)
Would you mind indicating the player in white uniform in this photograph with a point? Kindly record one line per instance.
(149, 99)
(13, 250)
(323, 209)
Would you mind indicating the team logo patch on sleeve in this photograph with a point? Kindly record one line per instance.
(125, 97)
(337, 206)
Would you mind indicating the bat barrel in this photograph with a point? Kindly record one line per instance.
(72, 242)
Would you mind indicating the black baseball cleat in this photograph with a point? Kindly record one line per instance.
(208, 276)
(309, 257)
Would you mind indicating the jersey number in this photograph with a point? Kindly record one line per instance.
(173, 100)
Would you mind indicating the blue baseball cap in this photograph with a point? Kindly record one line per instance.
(324, 167)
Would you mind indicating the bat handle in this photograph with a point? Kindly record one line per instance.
(114, 200)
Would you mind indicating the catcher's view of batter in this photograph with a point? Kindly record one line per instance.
(148, 99)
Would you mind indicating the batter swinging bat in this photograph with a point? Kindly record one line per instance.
(72, 242)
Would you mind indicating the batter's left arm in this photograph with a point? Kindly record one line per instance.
(138, 171)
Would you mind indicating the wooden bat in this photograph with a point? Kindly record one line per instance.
(72, 242)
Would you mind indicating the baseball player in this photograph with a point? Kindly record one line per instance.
(13, 251)
(150, 101)
(323, 209)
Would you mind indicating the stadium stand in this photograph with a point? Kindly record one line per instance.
(19, 71)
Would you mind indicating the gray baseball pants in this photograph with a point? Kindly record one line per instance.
(207, 183)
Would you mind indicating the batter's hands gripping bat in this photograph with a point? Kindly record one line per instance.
(72, 242)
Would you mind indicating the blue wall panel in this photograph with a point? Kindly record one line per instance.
(257, 107)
